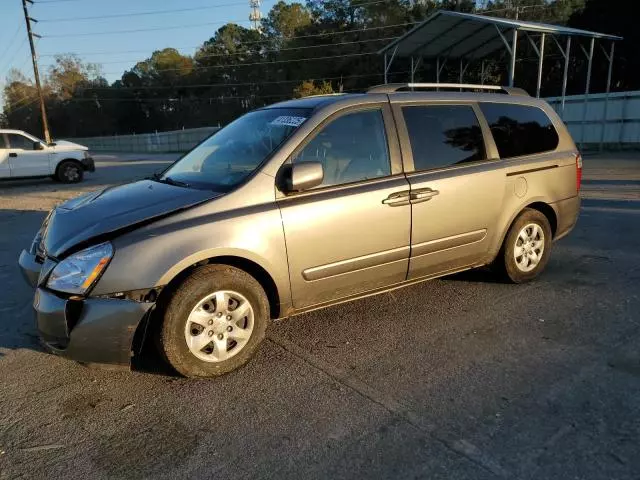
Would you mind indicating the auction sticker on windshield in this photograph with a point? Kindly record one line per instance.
(288, 121)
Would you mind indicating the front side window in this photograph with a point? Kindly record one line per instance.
(229, 156)
(3, 143)
(520, 129)
(20, 142)
(351, 148)
(443, 135)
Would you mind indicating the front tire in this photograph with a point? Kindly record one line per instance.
(526, 248)
(214, 322)
(69, 172)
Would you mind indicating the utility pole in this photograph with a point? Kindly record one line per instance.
(43, 111)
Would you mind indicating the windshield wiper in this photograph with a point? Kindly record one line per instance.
(170, 181)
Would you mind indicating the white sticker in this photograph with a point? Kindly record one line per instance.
(288, 121)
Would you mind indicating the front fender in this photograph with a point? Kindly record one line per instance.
(155, 254)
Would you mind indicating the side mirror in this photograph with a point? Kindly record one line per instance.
(301, 176)
(38, 146)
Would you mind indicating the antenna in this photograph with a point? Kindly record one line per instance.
(255, 16)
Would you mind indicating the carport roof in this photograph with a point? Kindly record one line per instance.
(465, 35)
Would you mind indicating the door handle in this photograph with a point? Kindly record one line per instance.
(13, 154)
(423, 194)
(397, 199)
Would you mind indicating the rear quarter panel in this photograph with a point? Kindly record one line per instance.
(548, 177)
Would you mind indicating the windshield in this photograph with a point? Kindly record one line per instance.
(230, 155)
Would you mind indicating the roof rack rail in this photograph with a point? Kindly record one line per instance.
(394, 87)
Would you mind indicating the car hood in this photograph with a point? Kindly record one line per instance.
(65, 146)
(113, 209)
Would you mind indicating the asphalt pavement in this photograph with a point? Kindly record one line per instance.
(457, 378)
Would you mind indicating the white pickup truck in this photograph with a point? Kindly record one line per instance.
(23, 155)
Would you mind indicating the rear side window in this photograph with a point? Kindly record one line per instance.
(443, 135)
(3, 143)
(520, 129)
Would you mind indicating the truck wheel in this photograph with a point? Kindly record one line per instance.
(526, 248)
(214, 322)
(69, 172)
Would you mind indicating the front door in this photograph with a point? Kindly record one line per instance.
(351, 233)
(457, 186)
(24, 159)
(5, 170)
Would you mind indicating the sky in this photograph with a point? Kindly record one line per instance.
(186, 27)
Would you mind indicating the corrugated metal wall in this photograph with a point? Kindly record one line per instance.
(589, 125)
(161, 142)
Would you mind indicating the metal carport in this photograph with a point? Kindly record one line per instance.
(448, 35)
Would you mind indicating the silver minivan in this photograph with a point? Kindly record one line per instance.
(298, 206)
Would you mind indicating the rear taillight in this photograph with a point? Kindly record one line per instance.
(578, 171)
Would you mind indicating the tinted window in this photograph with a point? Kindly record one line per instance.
(18, 141)
(351, 148)
(443, 135)
(2, 141)
(519, 129)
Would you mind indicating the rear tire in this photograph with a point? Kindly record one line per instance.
(69, 172)
(526, 248)
(214, 322)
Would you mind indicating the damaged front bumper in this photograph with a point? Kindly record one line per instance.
(88, 330)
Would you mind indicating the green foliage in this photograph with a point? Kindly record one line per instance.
(309, 87)
(303, 48)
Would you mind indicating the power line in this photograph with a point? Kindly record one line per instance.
(298, 37)
(138, 30)
(137, 14)
(274, 62)
(28, 104)
(11, 42)
(238, 84)
(15, 53)
(188, 99)
(274, 50)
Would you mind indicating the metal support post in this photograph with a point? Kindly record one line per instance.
(438, 70)
(586, 90)
(385, 68)
(387, 64)
(512, 67)
(606, 98)
(540, 60)
(412, 71)
(482, 73)
(566, 54)
(414, 67)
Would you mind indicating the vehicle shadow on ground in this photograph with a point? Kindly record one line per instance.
(476, 275)
(17, 326)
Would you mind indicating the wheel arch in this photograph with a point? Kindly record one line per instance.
(538, 204)
(67, 159)
(174, 278)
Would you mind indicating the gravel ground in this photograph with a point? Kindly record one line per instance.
(455, 378)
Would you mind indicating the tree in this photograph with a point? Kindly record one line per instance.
(69, 73)
(305, 47)
(284, 20)
(164, 66)
(616, 17)
(308, 88)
